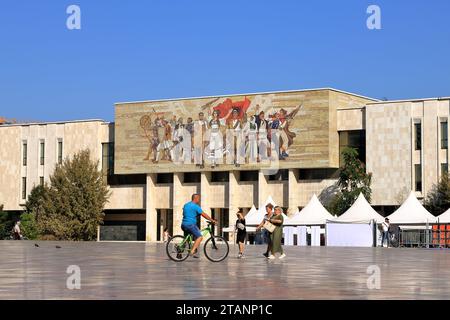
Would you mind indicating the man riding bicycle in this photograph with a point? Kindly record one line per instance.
(191, 210)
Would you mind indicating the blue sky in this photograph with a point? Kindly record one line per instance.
(143, 50)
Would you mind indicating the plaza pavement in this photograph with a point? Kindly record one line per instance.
(143, 271)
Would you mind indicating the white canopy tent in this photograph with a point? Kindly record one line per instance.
(314, 213)
(360, 211)
(445, 217)
(255, 216)
(411, 212)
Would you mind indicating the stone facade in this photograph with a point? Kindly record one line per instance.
(390, 156)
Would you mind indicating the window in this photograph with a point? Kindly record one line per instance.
(164, 178)
(24, 188)
(60, 151)
(444, 169)
(220, 176)
(248, 175)
(281, 175)
(355, 139)
(108, 158)
(24, 153)
(42, 153)
(126, 179)
(191, 177)
(417, 136)
(444, 135)
(318, 174)
(418, 177)
(41, 181)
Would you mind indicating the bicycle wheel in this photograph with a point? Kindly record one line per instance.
(216, 249)
(178, 248)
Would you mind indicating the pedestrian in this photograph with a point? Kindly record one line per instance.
(277, 234)
(166, 235)
(241, 233)
(17, 233)
(265, 232)
(385, 225)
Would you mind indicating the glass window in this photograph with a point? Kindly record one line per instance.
(42, 153)
(355, 139)
(281, 175)
(108, 158)
(444, 135)
(24, 153)
(248, 175)
(318, 174)
(164, 178)
(418, 177)
(60, 151)
(24, 188)
(444, 168)
(220, 176)
(417, 136)
(192, 177)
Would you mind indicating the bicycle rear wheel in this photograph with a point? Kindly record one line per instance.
(178, 248)
(216, 249)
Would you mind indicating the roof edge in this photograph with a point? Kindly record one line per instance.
(248, 94)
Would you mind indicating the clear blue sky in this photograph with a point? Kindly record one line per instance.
(152, 49)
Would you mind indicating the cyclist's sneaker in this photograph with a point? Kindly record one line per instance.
(271, 257)
(195, 254)
(240, 255)
(179, 256)
(266, 254)
(282, 256)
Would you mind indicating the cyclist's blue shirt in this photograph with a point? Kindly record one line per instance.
(190, 212)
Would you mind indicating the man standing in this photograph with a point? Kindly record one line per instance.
(191, 211)
(199, 130)
(385, 225)
(17, 233)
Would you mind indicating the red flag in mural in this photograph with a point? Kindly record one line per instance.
(228, 104)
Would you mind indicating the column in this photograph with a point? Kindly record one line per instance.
(262, 188)
(234, 199)
(205, 179)
(178, 202)
(294, 191)
(151, 216)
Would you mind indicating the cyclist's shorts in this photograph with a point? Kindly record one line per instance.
(192, 229)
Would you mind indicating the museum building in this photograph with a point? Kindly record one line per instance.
(235, 151)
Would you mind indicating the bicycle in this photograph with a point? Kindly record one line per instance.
(216, 248)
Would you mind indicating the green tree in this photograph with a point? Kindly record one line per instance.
(28, 226)
(437, 200)
(6, 223)
(353, 180)
(72, 206)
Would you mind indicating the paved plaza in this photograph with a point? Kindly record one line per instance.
(143, 271)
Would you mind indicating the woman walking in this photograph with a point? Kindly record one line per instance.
(241, 233)
(277, 234)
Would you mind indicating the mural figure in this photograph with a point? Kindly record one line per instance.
(228, 131)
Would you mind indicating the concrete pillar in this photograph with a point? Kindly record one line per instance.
(234, 199)
(205, 179)
(151, 201)
(293, 191)
(178, 202)
(262, 188)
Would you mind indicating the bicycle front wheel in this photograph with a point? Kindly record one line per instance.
(216, 249)
(178, 248)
